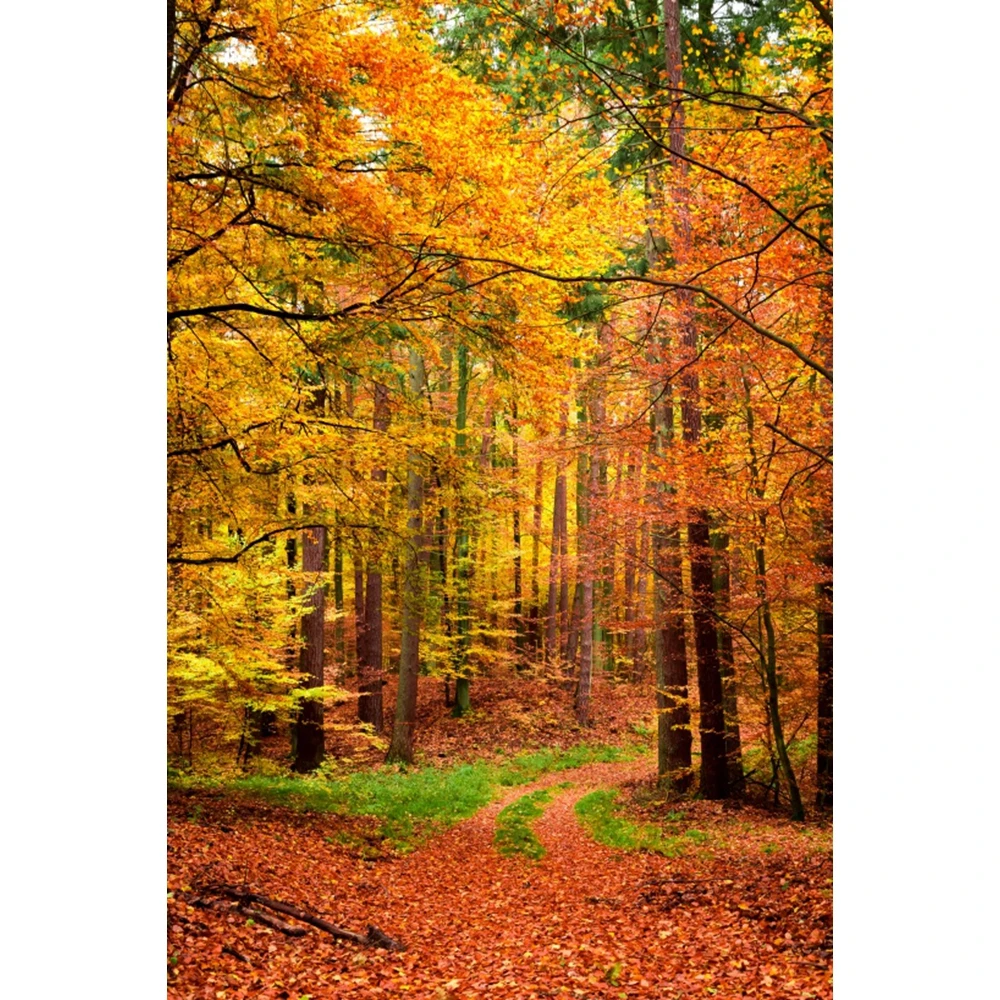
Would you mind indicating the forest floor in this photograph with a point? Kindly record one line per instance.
(737, 903)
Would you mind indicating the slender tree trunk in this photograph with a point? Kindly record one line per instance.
(630, 609)
(824, 703)
(370, 679)
(587, 628)
(641, 652)
(401, 748)
(340, 640)
(308, 736)
(767, 641)
(771, 676)
(359, 610)
(564, 605)
(519, 637)
(730, 701)
(463, 562)
(602, 564)
(558, 595)
(536, 531)
(573, 628)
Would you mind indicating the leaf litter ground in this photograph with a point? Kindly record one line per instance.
(745, 910)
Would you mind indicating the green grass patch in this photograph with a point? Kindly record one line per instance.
(513, 833)
(411, 805)
(528, 767)
(598, 817)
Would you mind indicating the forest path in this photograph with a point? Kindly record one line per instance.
(585, 921)
(746, 913)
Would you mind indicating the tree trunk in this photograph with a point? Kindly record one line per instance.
(557, 577)
(573, 629)
(463, 561)
(771, 678)
(712, 727)
(401, 748)
(730, 701)
(370, 680)
(340, 640)
(630, 592)
(714, 776)
(582, 702)
(824, 704)
(308, 736)
(536, 531)
(519, 643)
(641, 651)
(359, 609)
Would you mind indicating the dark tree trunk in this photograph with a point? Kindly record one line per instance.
(463, 559)
(824, 704)
(558, 595)
(573, 629)
(730, 701)
(370, 680)
(630, 557)
(518, 604)
(359, 610)
(308, 737)
(640, 650)
(401, 748)
(536, 531)
(582, 701)
(712, 727)
(340, 640)
(670, 657)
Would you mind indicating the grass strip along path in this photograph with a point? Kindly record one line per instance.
(745, 914)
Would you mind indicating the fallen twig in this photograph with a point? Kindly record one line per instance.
(374, 938)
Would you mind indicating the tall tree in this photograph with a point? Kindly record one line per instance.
(401, 748)
(308, 730)
(824, 703)
(370, 679)
(463, 559)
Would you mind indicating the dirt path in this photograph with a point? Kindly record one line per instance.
(585, 921)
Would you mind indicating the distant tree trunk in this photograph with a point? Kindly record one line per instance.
(309, 744)
(767, 640)
(771, 680)
(573, 628)
(340, 640)
(518, 607)
(640, 656)
(578, 616)
(557, 577)
(602, 557)
(401, 748)
(730, 702)
(824, 703)
(582, 702)
(463, 562)
(359, 609)
(370, 679)
(536, 531)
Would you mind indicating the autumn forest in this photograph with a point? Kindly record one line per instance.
(499, 517)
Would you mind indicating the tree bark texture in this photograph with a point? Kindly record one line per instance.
(309, 743)
(401, 748)
(370, 679)
(824, 705)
